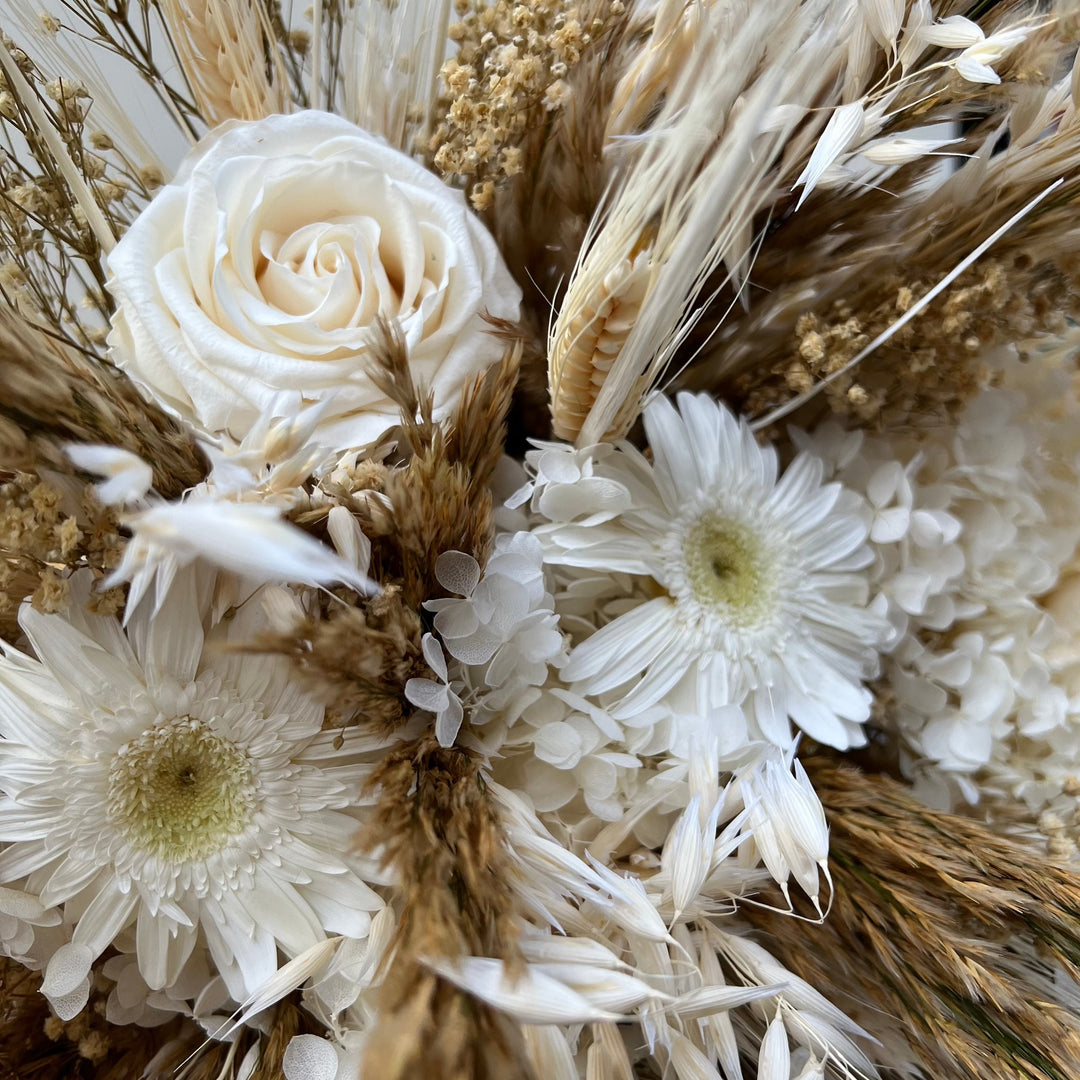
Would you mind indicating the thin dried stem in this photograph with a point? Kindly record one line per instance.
(55, 396)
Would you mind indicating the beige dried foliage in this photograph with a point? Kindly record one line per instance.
(541, 213)
(932, 366)
(903, 231)
(582, 356)
(438, 831)
(953, 945)
(477, 434)
(658, 48)
(356, 659)
(229, 58)
(54, 396)
(728, 132)
(439, 498)
(67, 190)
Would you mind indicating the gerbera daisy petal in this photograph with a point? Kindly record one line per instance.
(677, 475)
(622, 648)
(107, 914)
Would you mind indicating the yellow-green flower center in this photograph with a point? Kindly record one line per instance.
(179, 791)
(729, 569)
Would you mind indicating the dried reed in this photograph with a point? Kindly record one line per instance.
(437, 830)
(956, 947)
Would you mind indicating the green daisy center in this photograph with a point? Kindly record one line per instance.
(180, 791)
(729, 569)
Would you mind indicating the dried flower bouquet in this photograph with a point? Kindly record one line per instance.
(540, 540)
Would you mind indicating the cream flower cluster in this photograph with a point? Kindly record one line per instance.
(972, 527)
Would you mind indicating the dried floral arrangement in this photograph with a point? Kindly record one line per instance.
(540, 540)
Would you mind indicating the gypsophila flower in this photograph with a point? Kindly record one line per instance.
(749, 592)
(157, 783)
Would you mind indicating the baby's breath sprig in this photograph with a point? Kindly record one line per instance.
(510, 72)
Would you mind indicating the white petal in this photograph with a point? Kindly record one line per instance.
(249, 539)
(128, 476)
(531, 997)
(433, 654)
(774, 1060)
(348, 538)
(457, 572)
(427, 694)
(308, 1057)
(713, 999)
(67, 969)
(624, 647)
(107, 914)
(68, 1006)
(843, 127)
(955, 32)
(967, 67)
(448, 722)
(890, 525)
(669, 441)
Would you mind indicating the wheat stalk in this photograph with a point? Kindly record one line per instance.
(222, 47)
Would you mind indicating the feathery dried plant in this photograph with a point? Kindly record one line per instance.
(948, 942)
(438, 832)
(54, 396)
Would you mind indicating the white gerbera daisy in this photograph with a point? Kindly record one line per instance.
(156, 780)
(760, 600)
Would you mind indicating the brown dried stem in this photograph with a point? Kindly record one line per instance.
(436, 829)
(53, 396)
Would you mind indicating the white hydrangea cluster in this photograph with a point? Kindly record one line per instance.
(974, 529)
(500, 627)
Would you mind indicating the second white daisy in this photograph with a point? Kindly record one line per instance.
(163, 787)
(746, 588)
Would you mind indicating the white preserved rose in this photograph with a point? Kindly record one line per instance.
(259, 271)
